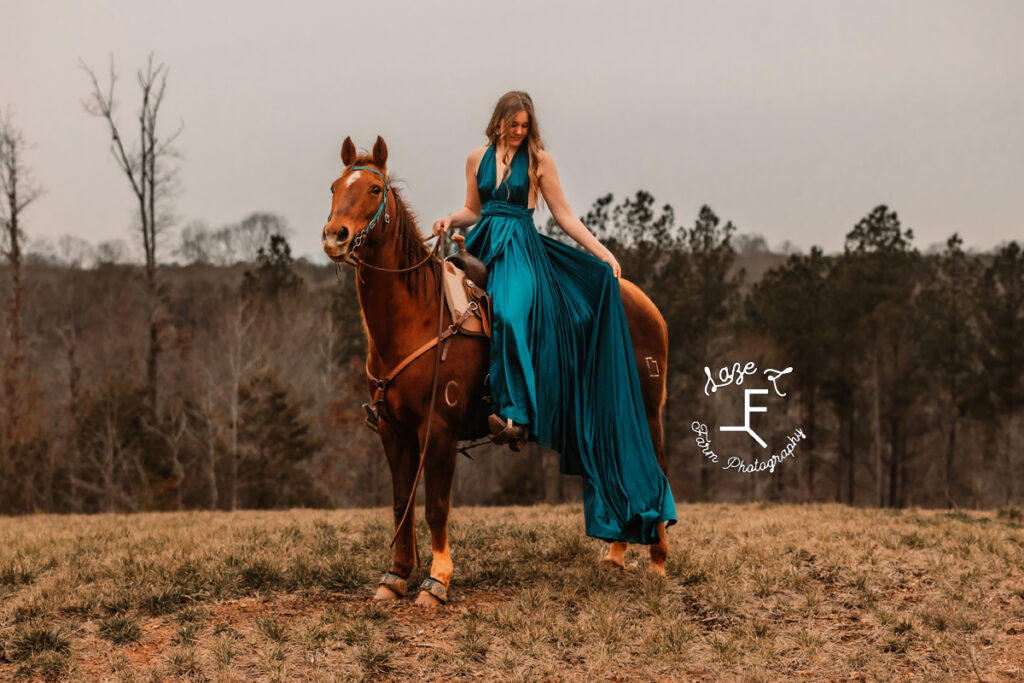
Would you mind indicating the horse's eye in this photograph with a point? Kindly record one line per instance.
(375, 189)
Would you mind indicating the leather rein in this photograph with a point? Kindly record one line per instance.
(442, 336)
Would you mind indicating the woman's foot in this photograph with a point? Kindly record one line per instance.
(507, 432)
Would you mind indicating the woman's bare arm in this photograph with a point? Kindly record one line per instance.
(566, 219)
(470, 213)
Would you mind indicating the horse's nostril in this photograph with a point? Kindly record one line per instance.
(336, 238)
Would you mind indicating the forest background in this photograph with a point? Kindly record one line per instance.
(206, 368)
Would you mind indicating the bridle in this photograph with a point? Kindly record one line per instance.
(360, 237)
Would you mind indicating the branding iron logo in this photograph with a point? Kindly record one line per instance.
(735, 375)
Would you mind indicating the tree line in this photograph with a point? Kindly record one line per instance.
(907, 375)
(908, 367)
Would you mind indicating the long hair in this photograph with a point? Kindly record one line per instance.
(508, 106)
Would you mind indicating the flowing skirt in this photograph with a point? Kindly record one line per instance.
(562, 363)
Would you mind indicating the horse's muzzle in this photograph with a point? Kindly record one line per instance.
(336, 246)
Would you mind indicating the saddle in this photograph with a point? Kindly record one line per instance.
(463, 282)
(471, 265)
(465, 279)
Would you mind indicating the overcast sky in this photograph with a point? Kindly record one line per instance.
(792, 119)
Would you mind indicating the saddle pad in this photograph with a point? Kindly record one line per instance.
(457, 295)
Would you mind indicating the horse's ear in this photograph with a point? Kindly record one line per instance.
(348, 152)
(380, 152)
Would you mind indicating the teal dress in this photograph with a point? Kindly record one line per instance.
(562, 360)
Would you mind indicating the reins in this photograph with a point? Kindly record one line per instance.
(430, 413)
(359, 263)
(382, 384)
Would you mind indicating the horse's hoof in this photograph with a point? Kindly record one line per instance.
(609, 563)
(658, 569)
(432, 593)
(425, 599)
(385, 593)
(390, 587)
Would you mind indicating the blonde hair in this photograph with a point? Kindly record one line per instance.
(508, 106)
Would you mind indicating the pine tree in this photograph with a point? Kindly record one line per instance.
(788, 305)
(275, 442)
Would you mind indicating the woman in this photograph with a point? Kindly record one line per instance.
(562, 367)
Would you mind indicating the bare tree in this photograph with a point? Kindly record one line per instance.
(208, 464)
(240, 360)
(254, 233)
(118, 479)
(18, 190)
(111, 252)
(232, 243)
(152, 182)
(194, 244)
(68, 334)
(175, 433)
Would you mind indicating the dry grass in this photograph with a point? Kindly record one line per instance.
(755, 593)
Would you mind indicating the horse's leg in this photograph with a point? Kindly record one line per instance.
(653, 395)
(659, 550)
(616, 557)
(650, 346)
(403, 459)
(439, 470)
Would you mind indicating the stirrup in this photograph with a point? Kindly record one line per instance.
(506, 432)
(372, 420)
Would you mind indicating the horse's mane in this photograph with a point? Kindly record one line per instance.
(409, 246)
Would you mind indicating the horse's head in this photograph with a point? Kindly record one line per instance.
(359, 198)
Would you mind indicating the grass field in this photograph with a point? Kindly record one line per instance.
(755, 592)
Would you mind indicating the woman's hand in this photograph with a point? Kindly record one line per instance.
(609, 258)
(442, 225)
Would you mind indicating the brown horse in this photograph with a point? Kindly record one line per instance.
(370, 225)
